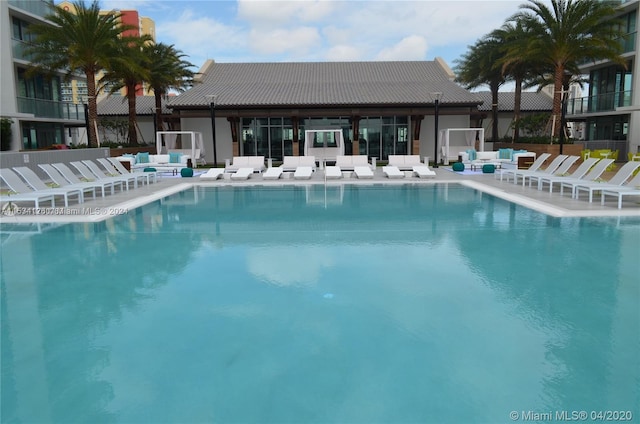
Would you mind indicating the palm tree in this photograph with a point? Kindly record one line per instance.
(477, 67)
(82, 40)
(167, 71)
(567, 34)
(128, 69)
(513, 38)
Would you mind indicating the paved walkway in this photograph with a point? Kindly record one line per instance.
(549, 203)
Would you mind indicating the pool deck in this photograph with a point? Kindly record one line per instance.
(542, 201)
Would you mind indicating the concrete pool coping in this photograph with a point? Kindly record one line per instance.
(551, 204)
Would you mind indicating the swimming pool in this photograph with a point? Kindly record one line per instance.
(352, 304)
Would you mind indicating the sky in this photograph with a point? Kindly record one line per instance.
(320, 30)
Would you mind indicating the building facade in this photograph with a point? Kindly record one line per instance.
(76, 90)
(382, 108)
(531, 103)
(611, 111)
(35, 104)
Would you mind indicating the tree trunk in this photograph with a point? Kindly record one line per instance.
(558, 79)
(158, 112)
(131, 99)
(516, 109)
(92, 136)
(494, 111)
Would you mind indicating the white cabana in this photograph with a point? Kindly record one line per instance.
(324, 144)
(471, 135)
(191, 144)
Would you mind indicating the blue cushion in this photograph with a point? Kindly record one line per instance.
(488, 169)
(458, 166)
(174, 157)
(472, 154)
(149, 170)
(142, 157)
(505, 153)
(186, 172)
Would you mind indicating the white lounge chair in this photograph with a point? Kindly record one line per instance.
(37, 185)
(593, 174)
(617, 180)
(631, 188)
(534, 167)
(423, 171)
(113, 172)
(86, 173)
(273, 173)
(333, 172)
(549, 170)
(212, 174)
(242, 174)
(363, 171)
(291, 163)
(349, 162)
(27, 195)
(61, 181)
(256, 163)
(150, 176)
(561, 170)
(304, 173)
(68, 175)
(578, 173)
(392, 172)
(100, 174)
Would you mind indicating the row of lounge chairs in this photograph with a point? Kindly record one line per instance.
(26, 186)
(586, 178)
(303, 167)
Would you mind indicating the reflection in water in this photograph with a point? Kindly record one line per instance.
(405, 304)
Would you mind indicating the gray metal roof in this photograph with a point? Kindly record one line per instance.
(531, 101)
(323, 84)
(117, 105)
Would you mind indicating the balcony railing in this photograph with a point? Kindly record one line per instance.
(50, 109)
(40, 8)
(603, 103)
(19, 50)
(629, 42)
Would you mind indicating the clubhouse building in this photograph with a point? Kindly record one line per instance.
(382, 108)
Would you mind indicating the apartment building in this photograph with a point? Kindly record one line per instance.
(142, 25)
(35, 104)
(611, 112)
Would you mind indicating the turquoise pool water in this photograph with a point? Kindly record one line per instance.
(429, 304)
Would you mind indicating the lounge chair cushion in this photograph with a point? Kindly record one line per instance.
(392, 172)
(333, 172)
(303, 173)
(273, 173)
(363, 171)
(212, 174)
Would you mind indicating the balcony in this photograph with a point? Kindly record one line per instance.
(602, 103)
(19, 50)
(629, 42)
(40, 8)
(50, 109)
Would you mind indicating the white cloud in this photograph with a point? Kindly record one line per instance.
(343, 53)
(413, 47)
(282, 41)
(268, 30)
(201, 37)
(269, 13)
